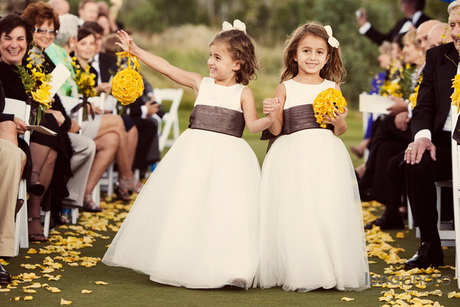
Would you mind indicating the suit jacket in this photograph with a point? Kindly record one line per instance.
(378, 37)
(107, 66)
(433, 103)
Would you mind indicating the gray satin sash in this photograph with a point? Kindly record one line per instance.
(295, 119)
(217, 119)
(299, 118)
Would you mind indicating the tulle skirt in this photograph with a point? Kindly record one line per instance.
(195, 222)
(311, 221)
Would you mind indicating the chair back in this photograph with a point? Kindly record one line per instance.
(170, 120)
(21, 110)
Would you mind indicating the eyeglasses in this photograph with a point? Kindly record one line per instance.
(44, 31)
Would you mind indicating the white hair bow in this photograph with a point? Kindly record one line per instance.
(237, 25)
(332, 40)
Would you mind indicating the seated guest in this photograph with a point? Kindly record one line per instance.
(105, 125)
(393, 135)
(43, 16)
(12, 161)
(15, 35)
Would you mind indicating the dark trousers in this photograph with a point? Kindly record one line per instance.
(382, 180)
(421, 189)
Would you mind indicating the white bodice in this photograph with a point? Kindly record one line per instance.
(300, 93)
(212, 94)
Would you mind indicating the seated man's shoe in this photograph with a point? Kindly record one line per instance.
(426, 256)
(5, 277)
(385, 223)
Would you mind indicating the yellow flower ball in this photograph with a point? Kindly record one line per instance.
(127, 86)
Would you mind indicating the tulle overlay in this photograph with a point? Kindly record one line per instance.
(311, 222)
(194, 224)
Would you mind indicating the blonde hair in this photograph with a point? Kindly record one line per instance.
(241, 48)
(333, 69)
(411, 38)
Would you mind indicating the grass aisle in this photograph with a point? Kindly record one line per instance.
(57, 273)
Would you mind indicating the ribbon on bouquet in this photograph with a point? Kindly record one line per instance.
(85, 103)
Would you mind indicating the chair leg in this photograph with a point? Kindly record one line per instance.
(74, 215)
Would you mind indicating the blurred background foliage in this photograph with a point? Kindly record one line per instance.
(180, 31)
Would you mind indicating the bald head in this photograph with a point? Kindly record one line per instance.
(438, 35)
(422, 32)
(61, 7)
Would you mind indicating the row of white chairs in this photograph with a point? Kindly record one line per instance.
(168, 133)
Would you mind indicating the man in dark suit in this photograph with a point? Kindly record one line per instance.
(428, 157)
(413, 17)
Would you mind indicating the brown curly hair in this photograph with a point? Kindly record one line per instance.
(333, 69)
(38, 13)
(242, 50)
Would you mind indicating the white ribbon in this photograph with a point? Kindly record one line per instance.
(237, 25)
(332, 40)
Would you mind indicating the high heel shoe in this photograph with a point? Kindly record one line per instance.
(37, 237)
(89, 204)
(122, 192)
(36, 187)
(131, 185)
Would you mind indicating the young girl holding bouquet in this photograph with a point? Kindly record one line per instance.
(311, 222)
(194, 224)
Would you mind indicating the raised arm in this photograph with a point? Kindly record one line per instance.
(254, 123)
(185, 78)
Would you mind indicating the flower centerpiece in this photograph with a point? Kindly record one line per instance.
(127, 85)
(86, 82)
(36, 83)
(326, 103)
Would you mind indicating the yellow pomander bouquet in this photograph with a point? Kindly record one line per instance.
(127, 85)
(326, 103)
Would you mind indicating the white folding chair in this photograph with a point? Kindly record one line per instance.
(456, 193)
(22, 110)
(171, 118)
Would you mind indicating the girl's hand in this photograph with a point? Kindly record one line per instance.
(126, 42)
(21, 126)
(275, 108)
(269, 105)
(339, 120)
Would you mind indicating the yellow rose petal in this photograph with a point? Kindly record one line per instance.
(32, 251)
(101, 283)
(347, 299)
(65, 302)
(28, 298)
(4, 290)
(84, 291)
(30, 291)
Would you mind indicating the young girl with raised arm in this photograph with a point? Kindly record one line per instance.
(194, 224)
(311, 224)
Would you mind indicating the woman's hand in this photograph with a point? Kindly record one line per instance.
(104, 87)
(57, 115)
(398, 106)
(21, 126)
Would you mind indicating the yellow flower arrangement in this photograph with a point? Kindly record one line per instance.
(37, 85)
(456, 94)
(413, 97)
(86, 80)
(127, 85)
(86, 83)
(326, 103)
